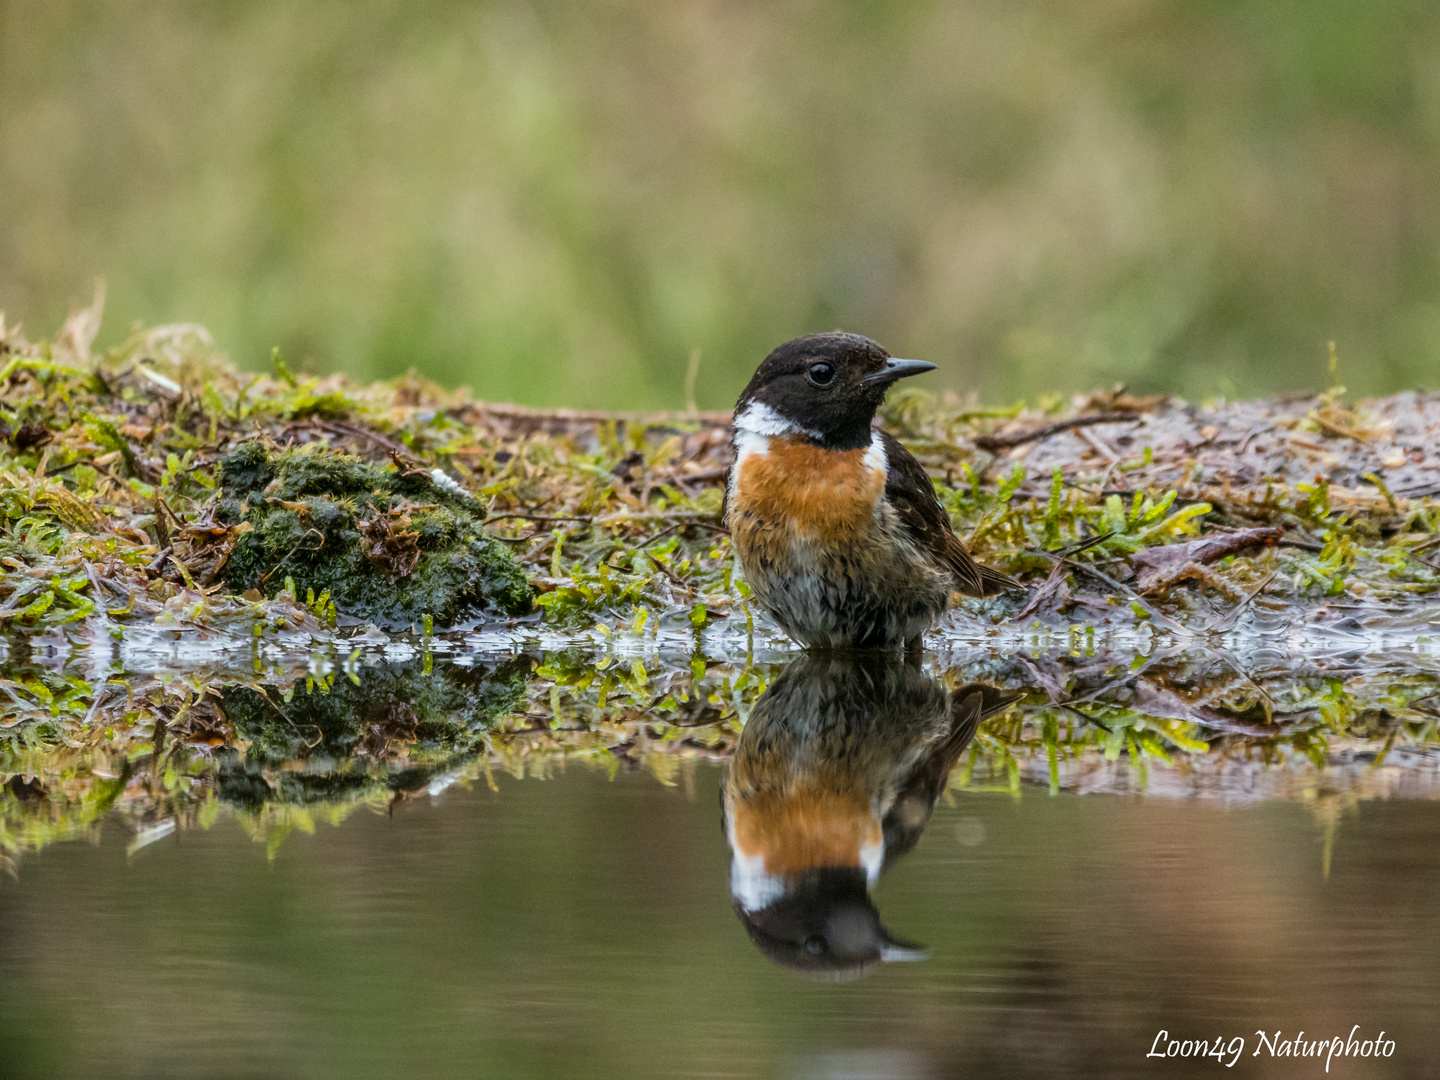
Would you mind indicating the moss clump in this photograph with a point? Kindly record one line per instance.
(387, 545)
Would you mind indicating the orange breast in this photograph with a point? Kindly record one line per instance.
(805, 829)
(827, 495)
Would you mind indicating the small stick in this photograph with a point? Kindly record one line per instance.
(1160, 617)
(1336, 429)
(341, 428)
(1234, 616)
(292, 551)
(67, 467)
(666, 571)
(1019, 438)
(1098, 445)
(538, 517)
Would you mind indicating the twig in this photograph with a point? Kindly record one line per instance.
(1042, 593)
(340, 428)
(1075, 548)
(666, 571)
(292, 551)
(1019, 438)
(591, 416)
(540, 517)
(1234, 616)
(1098, 445)
(704, 476)
(670, 529)
(1159, 616)
(66, 467)
(1335, 429)
(1259, 429)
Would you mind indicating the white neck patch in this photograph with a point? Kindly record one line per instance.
(760, 419)
(750, 886)
(875, 457)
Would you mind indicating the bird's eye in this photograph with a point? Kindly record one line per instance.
(815, 944)
(821, 374)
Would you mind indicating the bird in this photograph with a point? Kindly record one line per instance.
(837, 527)
(834, 777)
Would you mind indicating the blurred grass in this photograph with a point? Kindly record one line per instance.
(557, 202)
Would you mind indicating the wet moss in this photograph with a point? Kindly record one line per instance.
(387, 546)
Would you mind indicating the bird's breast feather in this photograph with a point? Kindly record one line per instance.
(830, 496)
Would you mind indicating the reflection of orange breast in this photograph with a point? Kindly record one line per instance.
(805, 829)
(811, 492)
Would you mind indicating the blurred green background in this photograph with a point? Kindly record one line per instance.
(557, 202)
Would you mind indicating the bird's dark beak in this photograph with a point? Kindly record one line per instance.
(898, 369)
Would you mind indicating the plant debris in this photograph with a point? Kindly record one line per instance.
(155, 483)
(198, 567)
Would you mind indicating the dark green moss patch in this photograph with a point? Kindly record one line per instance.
(389, 546)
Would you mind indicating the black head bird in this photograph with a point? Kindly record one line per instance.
(837, 526)
(827, 386)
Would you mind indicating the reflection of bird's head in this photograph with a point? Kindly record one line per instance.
(825, 924)
(835, 773)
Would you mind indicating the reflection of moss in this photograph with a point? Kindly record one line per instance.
(389, 546)
(339, 737)
(438, 714)
(242, 781)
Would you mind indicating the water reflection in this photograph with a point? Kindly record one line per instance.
(282, 744)
(834, 777)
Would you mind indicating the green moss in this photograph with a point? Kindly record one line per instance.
(388, 546)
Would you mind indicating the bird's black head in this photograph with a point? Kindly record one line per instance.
(826, 385)
(826, 925)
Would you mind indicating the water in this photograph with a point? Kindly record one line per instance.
(567, 902)
(583, 926)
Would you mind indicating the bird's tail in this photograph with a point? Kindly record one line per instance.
(992, 582)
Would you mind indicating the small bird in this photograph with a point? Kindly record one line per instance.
(834, 777)
(837, 526)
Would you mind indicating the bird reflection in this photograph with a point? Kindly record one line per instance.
(834, 777)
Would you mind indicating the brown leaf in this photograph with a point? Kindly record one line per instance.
(1158, 566)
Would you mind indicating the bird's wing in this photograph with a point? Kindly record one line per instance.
(916, 797)
(908, 488)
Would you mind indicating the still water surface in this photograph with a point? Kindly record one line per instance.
(585, 926)
(816, 868)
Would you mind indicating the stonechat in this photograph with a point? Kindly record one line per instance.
(838, 529)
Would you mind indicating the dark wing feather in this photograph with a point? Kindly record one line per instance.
(908, 488)
(915, 799)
